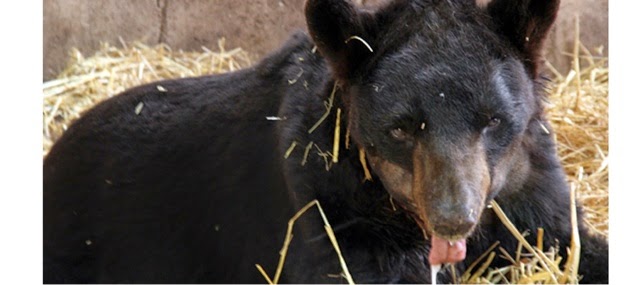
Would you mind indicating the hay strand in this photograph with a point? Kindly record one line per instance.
(307, 149)
(547, 264)
(576, 63)
(540, 240)
(289, 150)
(467, 274)
(481, 270)
(264, 274)
(328, 105)
(365, 43)
(573, 261)
(347, 136)
(363, 162)
(289, 237)
(336, 138)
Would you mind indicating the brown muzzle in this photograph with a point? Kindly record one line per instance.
(449, 188)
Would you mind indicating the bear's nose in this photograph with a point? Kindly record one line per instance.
(453, 222)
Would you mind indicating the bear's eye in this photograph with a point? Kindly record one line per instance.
(494, 122)
(399, 134)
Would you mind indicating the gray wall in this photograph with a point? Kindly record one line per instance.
(257, 26)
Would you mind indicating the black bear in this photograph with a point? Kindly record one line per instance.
(404, 122)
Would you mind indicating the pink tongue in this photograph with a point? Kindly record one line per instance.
(442, 252)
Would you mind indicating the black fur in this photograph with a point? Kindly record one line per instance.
(196, 189)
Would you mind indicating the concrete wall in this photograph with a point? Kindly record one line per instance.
(594, 30)
(84, 24)
(258, 26)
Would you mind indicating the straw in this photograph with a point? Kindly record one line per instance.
(87, 81)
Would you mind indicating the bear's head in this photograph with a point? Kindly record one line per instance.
(440, 95)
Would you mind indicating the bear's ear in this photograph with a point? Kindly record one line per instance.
(340, 32)
(525, 23)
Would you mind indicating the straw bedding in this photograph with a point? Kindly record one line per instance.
(577, 108)
(87, 81)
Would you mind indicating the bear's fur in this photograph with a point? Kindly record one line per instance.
(443, 97)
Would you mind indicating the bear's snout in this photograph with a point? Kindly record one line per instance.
(452, 221)
(449, 190)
